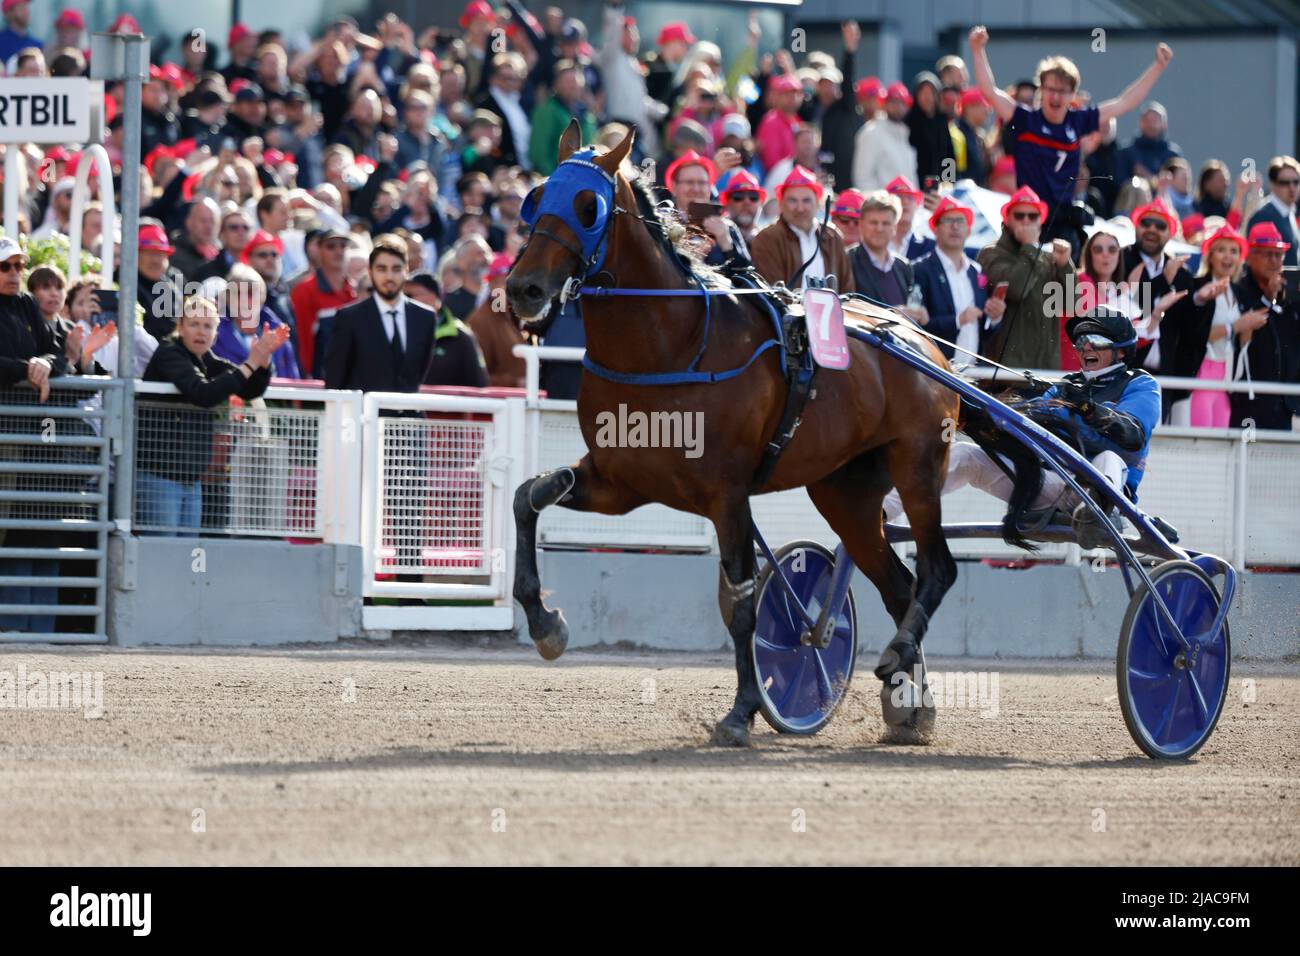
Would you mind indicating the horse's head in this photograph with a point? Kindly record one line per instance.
(573, 214)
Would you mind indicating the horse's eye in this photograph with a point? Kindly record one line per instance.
(584, 205)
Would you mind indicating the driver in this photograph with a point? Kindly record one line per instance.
(1115, 409)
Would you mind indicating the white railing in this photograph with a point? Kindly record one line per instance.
(1231, 492)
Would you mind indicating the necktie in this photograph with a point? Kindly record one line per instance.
(399, 353)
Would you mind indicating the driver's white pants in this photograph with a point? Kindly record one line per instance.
(968, 464)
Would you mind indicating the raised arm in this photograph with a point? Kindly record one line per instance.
(1003, 105)
(1138, 90)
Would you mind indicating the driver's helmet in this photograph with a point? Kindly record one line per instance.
(1108, 324)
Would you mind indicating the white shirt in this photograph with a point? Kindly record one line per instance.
(385, 309)
(1226, 312)
(1154, 268)
(963, 297)
(517, 117)
(807, 246)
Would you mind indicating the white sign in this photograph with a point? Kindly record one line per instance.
(45, 110)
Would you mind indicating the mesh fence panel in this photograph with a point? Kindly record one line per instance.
(436, 503)
(243, 470)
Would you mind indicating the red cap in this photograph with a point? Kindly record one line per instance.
(261, 238)
(1193, 224)
(238, 32)
(125, 24)
(57, 154)
(1024, 196)
(897, 91)
(1223, 232)
(154, 239)
(972, 97)
(71, 18)
(1155, 207)
(676, 31)
(785, 83)
(946, 205)
(849, 204)
(800, 178)
(500, 265)
(477, 10)
(742, 180)
(902, 186)
(1004, 165)
(161, 151)
(870, 88)
(272, 157)
(1264, 235)
(689, 158)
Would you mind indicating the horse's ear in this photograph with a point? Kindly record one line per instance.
(611, 161)
(570, 140)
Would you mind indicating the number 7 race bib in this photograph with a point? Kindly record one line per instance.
(825, 318)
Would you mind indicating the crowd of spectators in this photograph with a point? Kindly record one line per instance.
(270, 167)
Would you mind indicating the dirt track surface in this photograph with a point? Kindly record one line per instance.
(423, 755)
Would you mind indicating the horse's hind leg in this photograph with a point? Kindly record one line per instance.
(580, 488)
(736, 602)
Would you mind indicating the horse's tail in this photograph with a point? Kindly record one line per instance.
(1025, 471)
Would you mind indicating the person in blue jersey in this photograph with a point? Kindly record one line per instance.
(1046, 141)
(1115, 409)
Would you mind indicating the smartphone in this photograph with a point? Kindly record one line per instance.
(699, 211)
(930, 184)
(1000, 290)
(108, 303)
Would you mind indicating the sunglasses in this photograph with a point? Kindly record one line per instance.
(841, 220)
(744, 197)
(1025, 216)
(12, 266)
(1288, 182)
(1093, 341)
(268, 254)
(1157, 224)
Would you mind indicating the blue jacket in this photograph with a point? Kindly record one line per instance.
(1129, 392)
(936, 296)
(230, 346)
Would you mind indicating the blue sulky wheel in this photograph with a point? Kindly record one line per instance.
(1172, 696)
(800, 684)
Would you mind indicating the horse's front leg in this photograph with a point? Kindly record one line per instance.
(736, 601)
(581, 488)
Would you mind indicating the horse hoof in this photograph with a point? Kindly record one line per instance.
(555, 636)
(908, 718)
(730, 734)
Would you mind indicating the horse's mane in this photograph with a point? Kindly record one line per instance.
(670, 236)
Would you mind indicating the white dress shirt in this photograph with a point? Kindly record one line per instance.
(385, 308)
(963, 297)
(807, 246)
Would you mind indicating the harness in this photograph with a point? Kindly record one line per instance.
(580, 173)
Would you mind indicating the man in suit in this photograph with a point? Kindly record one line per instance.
(877, 272)
(1280, 207)
(383, 342)
(953, 289)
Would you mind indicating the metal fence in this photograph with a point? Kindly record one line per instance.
(436, 483)
(55, 469)
(244, 469)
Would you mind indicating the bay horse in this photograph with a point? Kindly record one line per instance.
(864, 430)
